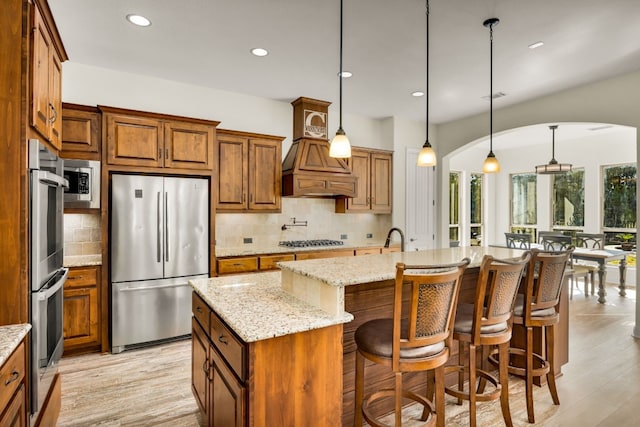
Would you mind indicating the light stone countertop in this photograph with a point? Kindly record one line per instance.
(257, 308)
(347, 271)
(10, 338)
(256, 249)
(82, 260)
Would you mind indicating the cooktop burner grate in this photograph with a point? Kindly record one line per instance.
(310, 243)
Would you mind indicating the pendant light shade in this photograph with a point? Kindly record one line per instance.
(427, 157)
(553, 167)
(340, 146)
(491, 164)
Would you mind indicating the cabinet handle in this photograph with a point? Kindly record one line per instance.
(223, 339)
(244, 197)
(199, 310)
(251, 198)
(166, 153)
(159, 153)
(54, 116)
(74, 278)
(14, 376)
(205, 366)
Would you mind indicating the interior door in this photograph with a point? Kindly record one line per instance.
(186, 211)
(420, 204)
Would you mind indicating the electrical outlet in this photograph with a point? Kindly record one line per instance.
(369, 235)
(343, 236)
(248, 240)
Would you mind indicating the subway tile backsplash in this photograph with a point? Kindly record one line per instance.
(322, 223)
(82, 234)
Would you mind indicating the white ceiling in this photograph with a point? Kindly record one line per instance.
(207, 43)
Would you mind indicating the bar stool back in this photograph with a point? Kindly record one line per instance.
(487, 322)
(413, 340)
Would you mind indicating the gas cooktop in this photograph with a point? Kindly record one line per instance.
(310, 243)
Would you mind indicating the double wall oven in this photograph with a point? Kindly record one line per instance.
(47, 275)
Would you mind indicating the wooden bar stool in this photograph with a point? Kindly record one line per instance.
(538, 307)
(415, 339)
(487, 322)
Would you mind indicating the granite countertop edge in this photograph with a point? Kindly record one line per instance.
(252, 249)
(256, 307)
(10, 338)
(82, 260)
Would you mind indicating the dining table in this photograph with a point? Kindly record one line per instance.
(602, 257)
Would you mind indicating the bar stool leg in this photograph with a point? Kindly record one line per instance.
(529, 374)
(503, 351)
(551, 377)
(461, 359)
(357, 410)
(439, 396)
(472, 384)
(398, 399)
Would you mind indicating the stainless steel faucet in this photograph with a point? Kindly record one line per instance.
(386, 243)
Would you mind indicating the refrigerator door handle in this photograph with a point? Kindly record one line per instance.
(166, 226)
(159, 229)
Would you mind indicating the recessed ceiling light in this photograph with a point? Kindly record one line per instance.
(536, 45)
(138, 20)
(345, 74)
(417, 93)
(258, 51)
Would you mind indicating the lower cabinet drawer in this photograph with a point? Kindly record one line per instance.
(237, 265)
(268, 262)
(82, 277)
(11, 374)
(200, 310)
(231, 348)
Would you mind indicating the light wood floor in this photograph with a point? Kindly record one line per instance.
(600, 386)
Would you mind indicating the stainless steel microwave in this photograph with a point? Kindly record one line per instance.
(84, 184)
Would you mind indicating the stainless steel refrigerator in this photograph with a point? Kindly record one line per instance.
(159, 241)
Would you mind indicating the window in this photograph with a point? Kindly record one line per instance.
(475, 190)
(454, 206)
(524, 213)
(619, 201)
(568, 200)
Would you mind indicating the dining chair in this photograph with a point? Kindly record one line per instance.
(538, 307)
(518, 240)
(487, 322)
(543, 234)
(591, 241)
(417, 338)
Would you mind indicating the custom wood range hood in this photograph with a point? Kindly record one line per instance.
(308, 170)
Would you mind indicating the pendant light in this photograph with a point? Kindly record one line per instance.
(491, 164)
(553, 167)
(427, 157)
(340, 146)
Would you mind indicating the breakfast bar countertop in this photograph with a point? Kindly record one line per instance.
(257, 308)
(347, 271)
(10, 338)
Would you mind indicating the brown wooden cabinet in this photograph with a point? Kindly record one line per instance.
(250, 172)
(81, 132)
(330, 253)
(81, 321)
(13, 377)
(375, 182)
(236, 265)
(46, 77)
(149, 140)
(268, 382)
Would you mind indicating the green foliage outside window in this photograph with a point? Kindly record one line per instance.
(476, 198)
(568, 199)
(619, 187)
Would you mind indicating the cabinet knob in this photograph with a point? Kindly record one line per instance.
(14, 376)
(223, 339)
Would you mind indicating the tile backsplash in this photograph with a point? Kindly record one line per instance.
(82, 234)
(322, 223)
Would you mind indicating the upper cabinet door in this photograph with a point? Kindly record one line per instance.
(265, 174)
(361, 167)
(81, 132)
(381, 188)
(188, 146)
(41, 112)
(134, 141)
(55, 101)
(233, 159)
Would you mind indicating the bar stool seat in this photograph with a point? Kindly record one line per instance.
(415, 339)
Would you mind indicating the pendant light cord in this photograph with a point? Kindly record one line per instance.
(340, 73)
(426, 95)
(491, 89)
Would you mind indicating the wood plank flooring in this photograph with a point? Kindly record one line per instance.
(600, 386)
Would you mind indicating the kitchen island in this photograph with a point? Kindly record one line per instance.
(360, 288)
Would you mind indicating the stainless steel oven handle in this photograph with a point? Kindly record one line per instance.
(46, 294)
(147, 288)
(52, 178)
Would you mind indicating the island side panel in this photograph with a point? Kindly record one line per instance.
(297, 379)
